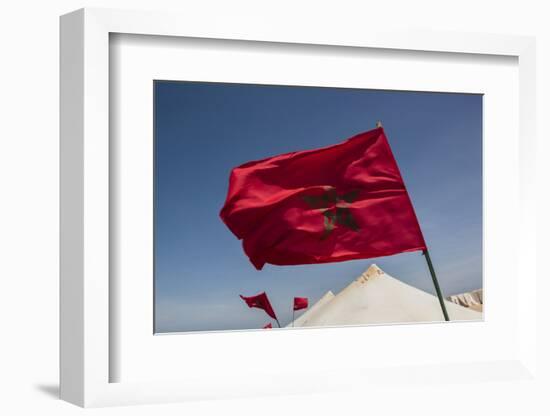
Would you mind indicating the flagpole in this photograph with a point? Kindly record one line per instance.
(426, 254)
(436, 283)
(278, 322)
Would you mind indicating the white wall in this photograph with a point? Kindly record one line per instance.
(29, 203)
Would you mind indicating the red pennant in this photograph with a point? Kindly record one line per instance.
(300, 303)
(260, 301)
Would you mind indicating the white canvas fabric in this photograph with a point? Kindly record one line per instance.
(468, 299)
(376, 298)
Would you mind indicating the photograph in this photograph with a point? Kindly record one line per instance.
(281, 206)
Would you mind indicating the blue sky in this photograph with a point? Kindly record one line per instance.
(203, 130)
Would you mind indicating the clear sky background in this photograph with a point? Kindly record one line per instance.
(203, 130)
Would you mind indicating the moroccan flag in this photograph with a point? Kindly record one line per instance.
(261, 302)
(341, 202)
(268, 326)
(300, 303)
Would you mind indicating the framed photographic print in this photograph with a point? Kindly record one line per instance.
(242, 211)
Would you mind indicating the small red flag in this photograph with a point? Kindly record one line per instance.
(300, 303)
(268, 326)
(342, 202)
(260, 301)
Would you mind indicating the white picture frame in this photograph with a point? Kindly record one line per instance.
(87, 305)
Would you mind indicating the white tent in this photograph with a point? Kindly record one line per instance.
(377, 298)
(472, 300)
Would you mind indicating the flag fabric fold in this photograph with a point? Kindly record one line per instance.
(260, 301)
(268, 326)
(300, 303)
(342, 202)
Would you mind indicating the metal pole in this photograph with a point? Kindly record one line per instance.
(431, 267)
(436, 284)
(278, 322)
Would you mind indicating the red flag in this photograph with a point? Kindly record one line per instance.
(260, 301)
(268, 326)
(341, 202)
(300, 303)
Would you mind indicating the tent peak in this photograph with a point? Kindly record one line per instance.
(372, 272)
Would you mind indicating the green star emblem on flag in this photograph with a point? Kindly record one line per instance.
(335, 209)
